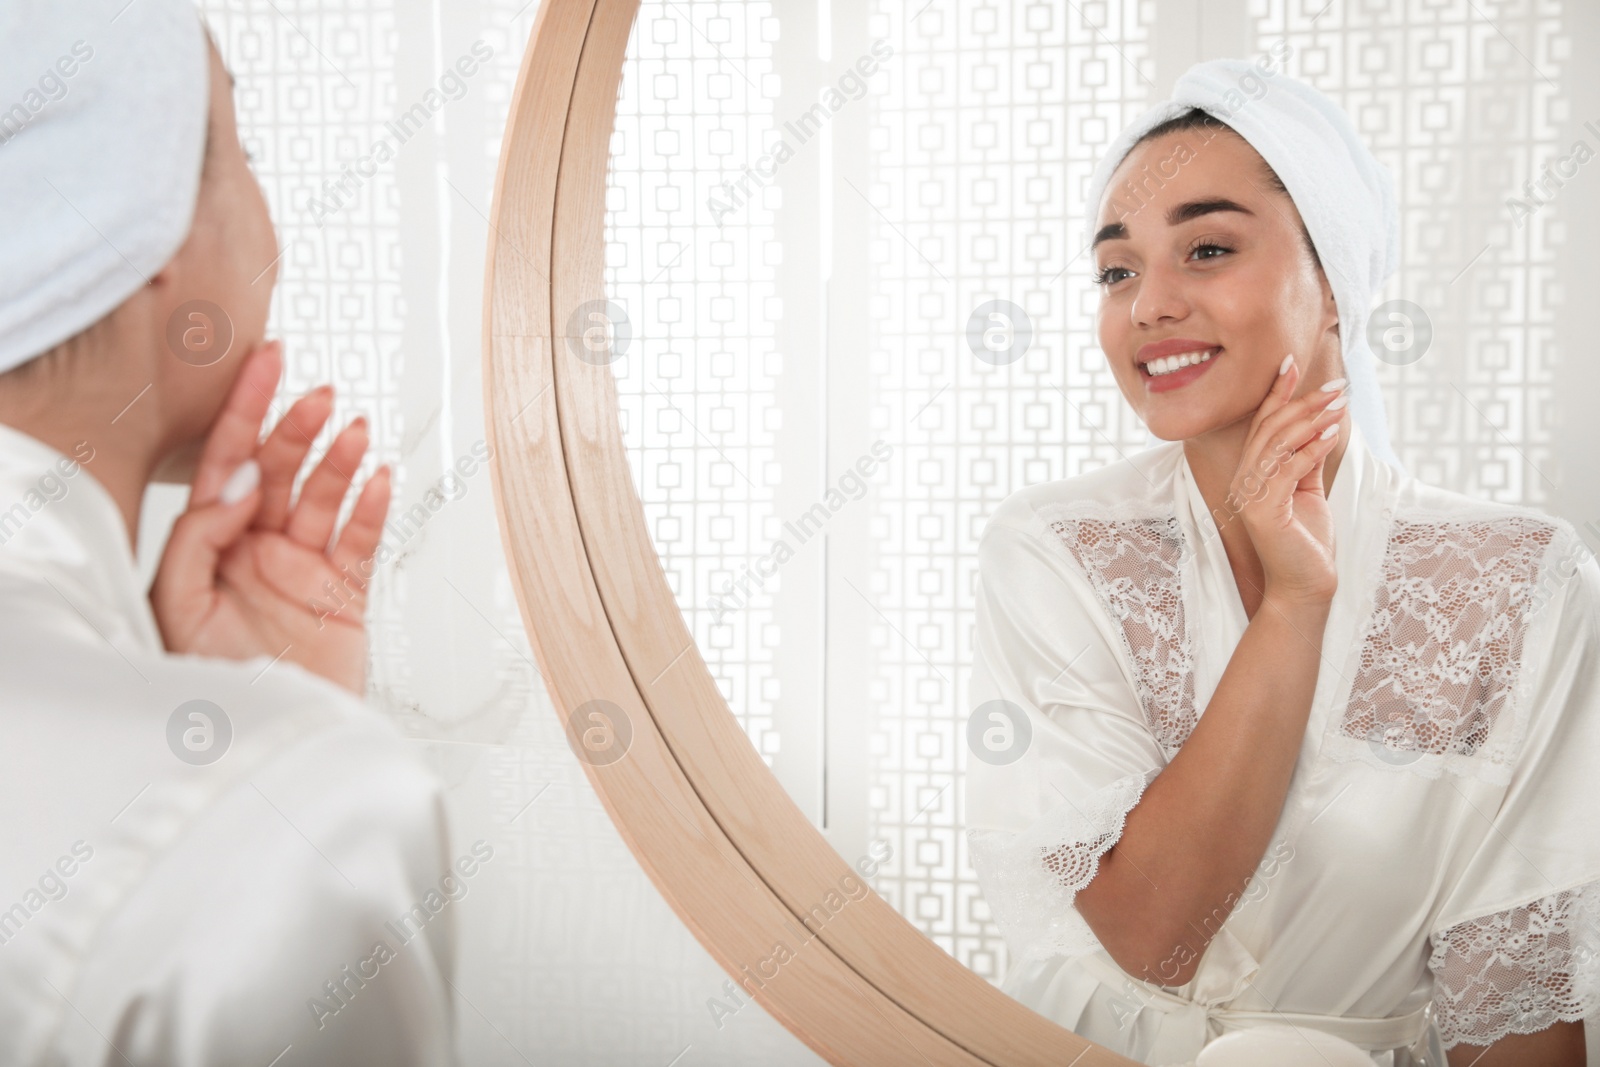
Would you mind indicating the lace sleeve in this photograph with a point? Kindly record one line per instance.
(1031, 878)
(1520, 970)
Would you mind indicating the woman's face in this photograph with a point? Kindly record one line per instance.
(1209, 256)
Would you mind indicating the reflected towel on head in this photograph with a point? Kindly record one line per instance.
(103, 112)
(1344, 195)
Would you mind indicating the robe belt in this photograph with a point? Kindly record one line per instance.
(1191, 1024)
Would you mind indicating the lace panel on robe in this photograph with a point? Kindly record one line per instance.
(1519, 971)
(1031, 879)
(1439, 684)
(1134, 563)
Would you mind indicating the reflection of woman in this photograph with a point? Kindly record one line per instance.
(1294, 737)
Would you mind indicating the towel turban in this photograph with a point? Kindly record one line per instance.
(104, 106)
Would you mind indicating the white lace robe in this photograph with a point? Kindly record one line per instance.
(1437, 844)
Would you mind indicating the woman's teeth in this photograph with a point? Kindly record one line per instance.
(1168, 364)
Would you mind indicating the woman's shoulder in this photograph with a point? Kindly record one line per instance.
(1519, 542)
(1135, 487)
(1501, 525)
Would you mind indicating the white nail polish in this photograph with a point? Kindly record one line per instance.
(1337, 383)
(241, 482)
(1329, 432)
(1288, 361)
(1335, 405)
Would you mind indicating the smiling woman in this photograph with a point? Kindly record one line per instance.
(1331, 662)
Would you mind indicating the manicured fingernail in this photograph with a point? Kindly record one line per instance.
(1335, 405)
(1329, 432)
(1288, 361)
(1337, 383)
(242, 482)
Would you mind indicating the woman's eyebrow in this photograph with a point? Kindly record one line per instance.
(1193, 209)
(1189, 209)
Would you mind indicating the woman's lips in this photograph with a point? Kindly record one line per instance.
(1165, 383)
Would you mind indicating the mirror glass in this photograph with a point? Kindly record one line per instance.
(851, 313)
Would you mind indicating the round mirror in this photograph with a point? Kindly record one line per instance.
(787, 299)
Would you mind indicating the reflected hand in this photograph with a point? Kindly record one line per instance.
(249, 571)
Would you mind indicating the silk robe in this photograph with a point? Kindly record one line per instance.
(158, 905)
(1434, 875)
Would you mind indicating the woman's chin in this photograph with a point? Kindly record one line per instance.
(1178, 427)
(1173, 429)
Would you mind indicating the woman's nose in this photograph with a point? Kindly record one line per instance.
(1160, 296)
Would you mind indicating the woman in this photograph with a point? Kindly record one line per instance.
(213, 852)
(1278, 733)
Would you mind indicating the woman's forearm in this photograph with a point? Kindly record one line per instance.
(1561, 1045)
(1190, 845)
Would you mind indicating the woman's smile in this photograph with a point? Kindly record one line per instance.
(1166, 373)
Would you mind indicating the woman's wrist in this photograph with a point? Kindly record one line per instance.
(1300, 610)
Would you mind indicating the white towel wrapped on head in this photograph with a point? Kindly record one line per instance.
(104, 106)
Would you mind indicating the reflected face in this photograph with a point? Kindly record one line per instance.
(227, 259)
(1208, 257)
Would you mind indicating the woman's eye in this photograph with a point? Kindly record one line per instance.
(1109, 275)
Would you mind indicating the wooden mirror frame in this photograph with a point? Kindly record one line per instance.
(732, 854)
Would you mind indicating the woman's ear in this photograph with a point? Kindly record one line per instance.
(1330, 305)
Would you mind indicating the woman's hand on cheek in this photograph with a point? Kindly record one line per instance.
(1277, 491)
(250, 571)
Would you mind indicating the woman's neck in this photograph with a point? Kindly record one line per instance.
(1214, 459)
(124, 437)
